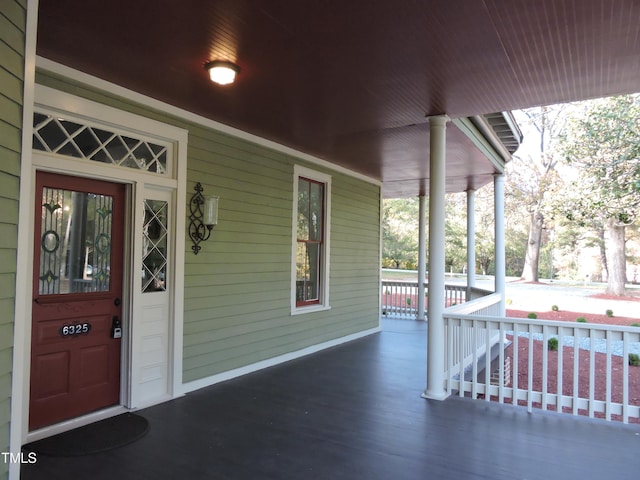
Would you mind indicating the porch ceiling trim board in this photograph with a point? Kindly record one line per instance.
(55, 68)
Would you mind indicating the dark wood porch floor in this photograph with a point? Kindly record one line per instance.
(355, 412)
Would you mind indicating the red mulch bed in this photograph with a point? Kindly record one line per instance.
(600, 360)
(565, 316)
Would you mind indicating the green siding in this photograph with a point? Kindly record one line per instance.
(237, 290)
(12, 52)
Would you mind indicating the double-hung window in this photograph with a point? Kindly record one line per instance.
(310, 240)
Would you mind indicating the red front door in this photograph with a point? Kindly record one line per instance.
(77, 291)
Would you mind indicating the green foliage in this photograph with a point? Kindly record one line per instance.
(552, 344)
(532, 315)
(400, 233)
(635, 324)
(455, 248)
(609, 313)
(555, 308)
(634, 359)
(602, 140)
(581, 320)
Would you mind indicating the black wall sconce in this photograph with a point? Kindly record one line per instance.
(203, 217)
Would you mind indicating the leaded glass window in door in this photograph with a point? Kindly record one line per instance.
(75, 243)
(154, 246)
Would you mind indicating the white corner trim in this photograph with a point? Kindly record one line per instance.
(22, 326)
(254, 367)
(59, 69)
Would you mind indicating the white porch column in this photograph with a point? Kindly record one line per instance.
(422, 255)
(498, 202)
(435, 330)
(471, 239)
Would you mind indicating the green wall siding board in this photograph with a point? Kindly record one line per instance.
(237, 290)
(11, 85)
(8, 233)
(11, 111)
(15, 13)
(9, 136)
(7, 304)
(6, 338)
(9, 161)
(9, 212)
(12, 34)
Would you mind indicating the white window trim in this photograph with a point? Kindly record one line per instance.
(299, 171)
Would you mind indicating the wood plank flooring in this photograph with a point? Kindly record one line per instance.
(355, 412)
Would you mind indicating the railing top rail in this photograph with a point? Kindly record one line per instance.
(481, 290)
(415, 283)
(472, 306)
(451, 313)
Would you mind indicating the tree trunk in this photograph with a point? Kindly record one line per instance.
(617, 260)
(532, 258)
(603, 254)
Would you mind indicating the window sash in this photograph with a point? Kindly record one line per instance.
(310, 241)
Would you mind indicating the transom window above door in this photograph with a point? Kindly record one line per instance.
(73, 138)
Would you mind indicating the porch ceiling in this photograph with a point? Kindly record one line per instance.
(353, 82)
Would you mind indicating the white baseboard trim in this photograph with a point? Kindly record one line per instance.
(254, 367)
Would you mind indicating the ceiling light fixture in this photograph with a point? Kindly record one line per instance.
(222, 72)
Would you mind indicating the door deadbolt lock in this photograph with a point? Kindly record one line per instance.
(116, 328)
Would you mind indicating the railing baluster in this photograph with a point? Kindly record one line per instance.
(515, 385)
(592, 371)
(608, 373)
(576, 368)
(625, 377)
(560, 369)
(545, 365)
(461, 355)
(474, 369)
(501, 332)
(448, 363)
(530, 373)
(487, 363)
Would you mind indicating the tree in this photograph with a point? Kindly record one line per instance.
(603, 140)
(400, 233)
(455, 248)
(532, 178)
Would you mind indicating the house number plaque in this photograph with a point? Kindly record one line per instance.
(75, 329)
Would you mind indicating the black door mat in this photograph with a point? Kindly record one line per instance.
(97, 437)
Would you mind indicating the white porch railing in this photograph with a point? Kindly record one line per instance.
(400, 298)
(523, 372)
(464, 347)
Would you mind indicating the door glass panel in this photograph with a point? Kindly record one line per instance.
(154, 246)
(75, 244)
